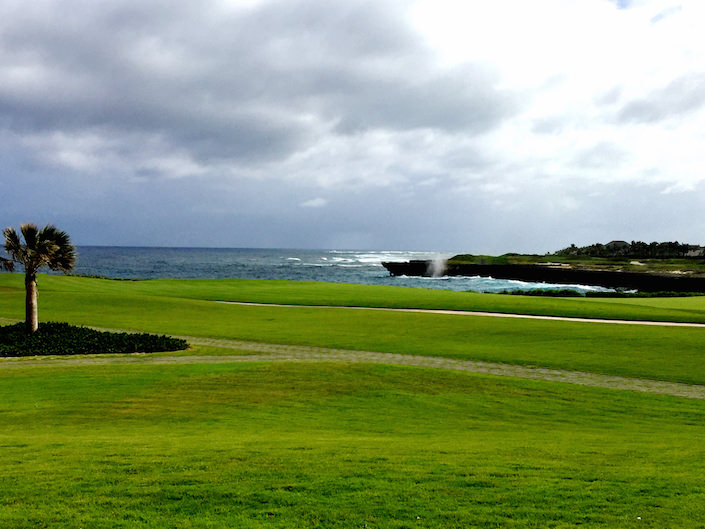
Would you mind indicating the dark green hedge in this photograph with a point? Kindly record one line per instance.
(556, 293)
(64, 339)
(660, 294)
(569, 293)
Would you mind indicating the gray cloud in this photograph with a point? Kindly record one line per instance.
(681, 96)
(313, 123)
(609, 97)
(242, 86)
(602, 155)
(549, 125)
(538, 214)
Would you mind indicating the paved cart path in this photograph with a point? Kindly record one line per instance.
(477, 313)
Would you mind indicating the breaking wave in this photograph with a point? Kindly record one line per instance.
(338, 266)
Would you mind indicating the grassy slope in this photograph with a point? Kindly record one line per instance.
(286, 445)
(335, 445)
(303, 293)
(650, 352)
(690, 309)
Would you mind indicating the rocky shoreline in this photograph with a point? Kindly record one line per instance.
(641, 281)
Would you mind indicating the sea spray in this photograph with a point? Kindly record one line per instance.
(436, 267)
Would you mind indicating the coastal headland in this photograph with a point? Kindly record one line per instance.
(606, 266)
(642, 281)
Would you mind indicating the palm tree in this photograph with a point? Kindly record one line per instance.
(46, 247)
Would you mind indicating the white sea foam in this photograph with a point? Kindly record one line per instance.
(376, 258)
(345, 266)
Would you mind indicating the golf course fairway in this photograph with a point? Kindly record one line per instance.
(333, 443)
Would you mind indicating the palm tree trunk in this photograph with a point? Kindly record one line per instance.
(31, 315)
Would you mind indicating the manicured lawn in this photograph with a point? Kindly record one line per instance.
(289, 445)
(336, 445)
(652, 352)
(691, 309)
(312, 293)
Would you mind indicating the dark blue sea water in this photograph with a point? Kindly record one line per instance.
(338, 266)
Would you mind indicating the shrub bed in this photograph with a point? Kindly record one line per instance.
(569, 293)
(661, 294)
(555, 293)
(63, 339)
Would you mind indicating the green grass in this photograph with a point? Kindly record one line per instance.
(312, 293)
(160, 307)
(336, 445)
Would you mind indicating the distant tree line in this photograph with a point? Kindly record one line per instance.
(635, 249)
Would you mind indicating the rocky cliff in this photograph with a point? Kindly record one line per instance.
(645, 282)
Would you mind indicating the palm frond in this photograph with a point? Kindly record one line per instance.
(46, 247)
(57, 247)
(6, 264)
(29, 232)
(14, 246)
(63, 259)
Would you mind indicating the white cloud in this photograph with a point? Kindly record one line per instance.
(580, 65)
(500, 106)
(315, 203)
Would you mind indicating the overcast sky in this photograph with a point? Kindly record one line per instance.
(477, 126)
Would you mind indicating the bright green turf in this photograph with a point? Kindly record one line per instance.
(312, 293)
(651, 352)
(335, 445)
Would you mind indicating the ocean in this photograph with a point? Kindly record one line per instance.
(336, 266)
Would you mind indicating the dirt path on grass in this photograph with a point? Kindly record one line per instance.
(263, 352)
(477, 313)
